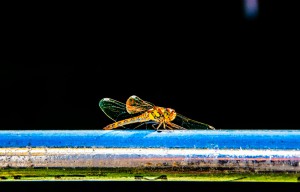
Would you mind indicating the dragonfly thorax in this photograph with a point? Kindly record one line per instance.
(160, 114)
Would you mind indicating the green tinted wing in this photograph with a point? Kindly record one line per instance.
(115, 110)
(189, 123)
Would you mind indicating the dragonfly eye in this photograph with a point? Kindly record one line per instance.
(172, 113)
(170, 110)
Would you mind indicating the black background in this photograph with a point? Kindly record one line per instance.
(205, 60)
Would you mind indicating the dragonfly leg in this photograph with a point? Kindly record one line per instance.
(173, 125)
(139, 125)
(154, 126)
(157, 126)
(169, 127)
(150, 122)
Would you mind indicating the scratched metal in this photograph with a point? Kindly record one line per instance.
(242, 150)
(258, 160)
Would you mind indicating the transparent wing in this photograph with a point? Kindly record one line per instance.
(115, 110)
(134, 105)
(189, 123)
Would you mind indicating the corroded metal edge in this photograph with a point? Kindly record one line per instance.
(242, 160)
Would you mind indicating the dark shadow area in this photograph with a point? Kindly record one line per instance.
(151, 185)
(205, 60)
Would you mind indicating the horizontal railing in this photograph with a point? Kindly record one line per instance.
(197, 151)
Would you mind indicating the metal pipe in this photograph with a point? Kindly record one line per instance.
(215, 151)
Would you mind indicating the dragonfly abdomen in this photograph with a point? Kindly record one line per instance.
(141, 118)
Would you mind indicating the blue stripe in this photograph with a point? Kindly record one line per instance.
(202, 139)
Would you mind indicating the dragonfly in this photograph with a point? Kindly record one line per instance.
(136, 110)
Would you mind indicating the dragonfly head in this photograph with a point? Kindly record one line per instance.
(171, 114)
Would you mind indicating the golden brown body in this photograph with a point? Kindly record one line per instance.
(160, 115)
(137, 110)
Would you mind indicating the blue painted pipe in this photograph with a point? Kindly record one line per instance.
(244, 150)
(200, 139)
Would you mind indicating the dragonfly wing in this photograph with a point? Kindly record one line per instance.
(189, 123)
(115, 110)
(134, 105)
